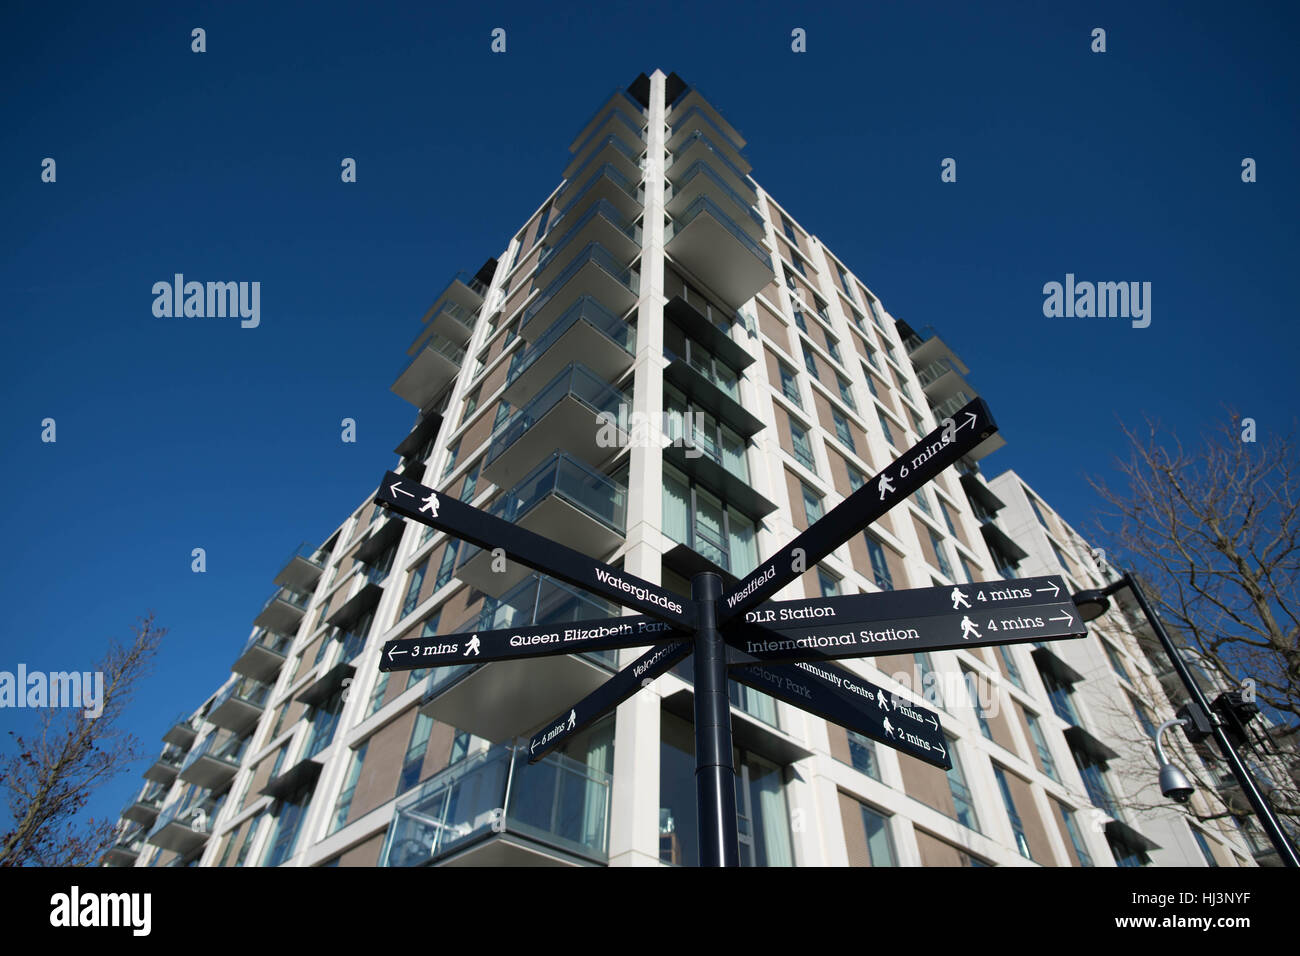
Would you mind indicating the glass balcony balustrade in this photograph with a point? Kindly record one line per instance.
(703, 204)
(716, 182)
(246, 690)
(558, 803)
(600, 207)
(443, 346)
(585, 309)
(625, 128)
(599, 176)
(575, 381)
(613, 142)
(698, 117)
(715, 157)
(225, 747)
(595, 254)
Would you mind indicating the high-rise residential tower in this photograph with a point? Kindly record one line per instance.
(665, 370)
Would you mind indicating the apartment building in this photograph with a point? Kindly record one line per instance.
(658, 283)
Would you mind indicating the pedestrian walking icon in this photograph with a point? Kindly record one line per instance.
(968, 628)
(959, 599)
(430, 505)
(889, 728)
(472, 646)
(885, 486)
(573, 720)
(880, 700)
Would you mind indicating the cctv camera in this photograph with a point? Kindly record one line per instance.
(1174, 785)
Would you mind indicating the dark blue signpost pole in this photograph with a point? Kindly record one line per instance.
(715, 774)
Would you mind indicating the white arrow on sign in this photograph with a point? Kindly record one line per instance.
(938, 746)
(1065, 616)
(393, 650)
(1054, 589)
(398, 491)
(970, 420)
(931, 720)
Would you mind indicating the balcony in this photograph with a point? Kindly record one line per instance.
(710, 325)
(127, 849)
(144, 808)
(563, 415)
(432, 369)
(165, 766)
(239, 705)
(693, 103)
(605, 183)
(703, 388)
(262, 655)
(183, 731)
(600, 223)
(609, 151)
(303, 569)
(464, 290)
(419, 436)
(183, 830)
(931, 348)
(594, 272)
(355, 607)
(452, 320)
(496, 809)
(940, 380)
(696, 118)
(709, 243)
(587, 329)
(562, 499)
(614, 124)
(282, 612)
(537, 688)
(697, 148)
(215, 762)
(701, 179)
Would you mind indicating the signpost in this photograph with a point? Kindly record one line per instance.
(782, 648)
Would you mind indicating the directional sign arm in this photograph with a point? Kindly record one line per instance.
(972, 424)
(842, 697)
(608, 696)
(580, 637)
(443, 512)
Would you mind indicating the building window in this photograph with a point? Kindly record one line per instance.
(856, 478)
(809, 360)
(447, 565)
(1205, 847)
(452, 454)
(1143, 716)
(842, 431)
(1060, 558)
(413, 589)
(871, 357)
(1126, 855)
(844, 283)
(829, 583)
(377, 695)
(1059, 693)
(324, 720)
(797, 310)
(833, 348)
(344, 804)
(789, 384)
(947, 518)
(846, 392)
(965, 570)
(879, 566)
(248, 841)
(880, 848)
(884, 426)
(1017, 828)
(963, 807)
(1040, 744)
(862, 755)
(288, 820)
(970, 678)
(1072, 828)
(471, 403)
(871, 384)
(802, 447)
(1116, 662)
(471, 482)
(415, 750)
(1093, 773)
(788, 228)
(704, 523)
(936, 542)
(1009, 662)
(1033, 503)
(812, 504)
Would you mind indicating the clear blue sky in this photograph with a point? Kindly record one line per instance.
(182, 433)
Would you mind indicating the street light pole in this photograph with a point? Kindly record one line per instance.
(1272, 826)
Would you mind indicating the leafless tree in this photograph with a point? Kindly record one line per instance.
(51, 776)
(1214, 534)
